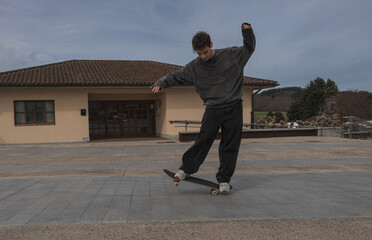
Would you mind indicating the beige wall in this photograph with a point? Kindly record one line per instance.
(70, 126)
(182, 104)
(247, 104)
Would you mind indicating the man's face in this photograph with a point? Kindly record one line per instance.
(206, 53)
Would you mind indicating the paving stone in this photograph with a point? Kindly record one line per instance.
(67, 199)
(118, 209)
(140, 208)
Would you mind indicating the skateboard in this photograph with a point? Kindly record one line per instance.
(214, 187)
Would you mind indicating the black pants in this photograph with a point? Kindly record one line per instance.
(230, 120)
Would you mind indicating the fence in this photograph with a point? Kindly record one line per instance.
(353, 128)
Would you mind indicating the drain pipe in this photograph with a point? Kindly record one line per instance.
(252, 112)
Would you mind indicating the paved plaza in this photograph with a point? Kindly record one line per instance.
(122, 182)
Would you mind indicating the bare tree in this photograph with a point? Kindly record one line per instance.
(350, 103)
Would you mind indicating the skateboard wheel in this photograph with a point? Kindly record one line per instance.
(176, 184)
(214, 192)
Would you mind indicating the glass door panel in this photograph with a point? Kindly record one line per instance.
(121, 119)
(97, 119)
(113, 119)
(128, 119)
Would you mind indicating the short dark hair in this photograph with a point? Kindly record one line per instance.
(201, 40)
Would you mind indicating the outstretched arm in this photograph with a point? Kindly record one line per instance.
(178, 78)
(155, 89)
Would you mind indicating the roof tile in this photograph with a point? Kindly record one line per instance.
(99, 73)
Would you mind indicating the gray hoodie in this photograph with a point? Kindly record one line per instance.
(219, 80)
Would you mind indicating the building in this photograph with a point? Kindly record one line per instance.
(83, 100)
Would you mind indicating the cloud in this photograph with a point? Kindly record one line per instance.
(43, 58)
(297, 41)
(67, 30)
(13, 54)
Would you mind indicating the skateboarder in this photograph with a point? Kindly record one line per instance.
(217, 75)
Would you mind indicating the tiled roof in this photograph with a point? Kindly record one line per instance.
(81, 73)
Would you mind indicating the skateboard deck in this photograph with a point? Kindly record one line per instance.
(214, 187)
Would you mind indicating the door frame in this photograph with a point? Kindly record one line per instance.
(120, 115)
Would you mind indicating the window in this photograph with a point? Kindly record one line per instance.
(34, 112)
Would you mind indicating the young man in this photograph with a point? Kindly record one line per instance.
(217, 75)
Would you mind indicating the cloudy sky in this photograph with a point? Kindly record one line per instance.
(297, 40)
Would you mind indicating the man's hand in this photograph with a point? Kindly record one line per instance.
(155, 89)
(246, 26)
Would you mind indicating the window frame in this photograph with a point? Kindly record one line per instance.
(25, 112)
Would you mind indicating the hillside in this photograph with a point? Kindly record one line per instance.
(288, 91)
(278, 99)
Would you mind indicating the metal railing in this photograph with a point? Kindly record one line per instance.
(356, 127)
(192, 124)
(186, 122)
(353, 127)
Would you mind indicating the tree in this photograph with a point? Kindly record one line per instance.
(278, 99)
(279, 116)
(350, 103)
(310, 100)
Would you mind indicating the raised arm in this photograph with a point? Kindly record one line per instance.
(248, 38)
(243, 53)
